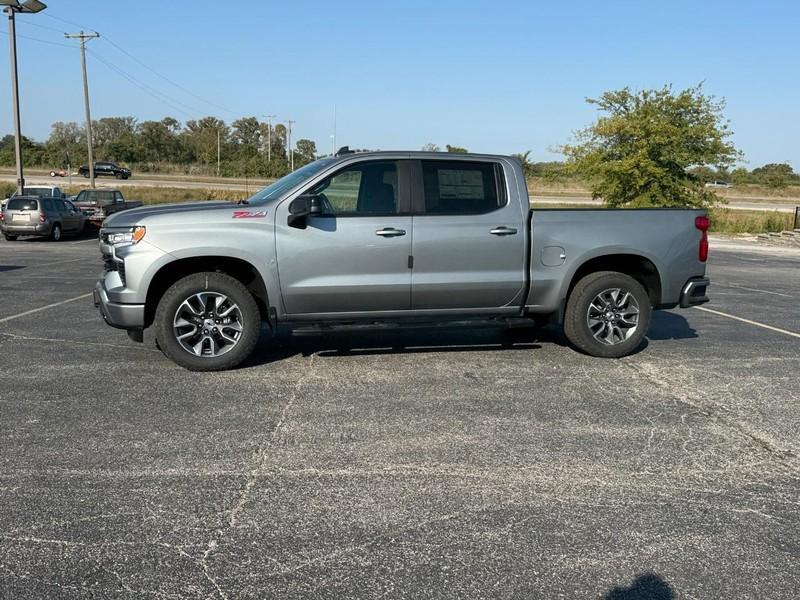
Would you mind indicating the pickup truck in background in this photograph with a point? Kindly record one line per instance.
(378, 239)
(105, 169)
(99, 204)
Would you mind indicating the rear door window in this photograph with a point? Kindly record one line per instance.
(22, 204)
(48, 204)
(461, 187)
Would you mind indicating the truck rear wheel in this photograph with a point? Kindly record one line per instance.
(607, 315)
(207, 322)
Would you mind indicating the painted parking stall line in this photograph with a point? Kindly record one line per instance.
(748, 321)
(41, 308)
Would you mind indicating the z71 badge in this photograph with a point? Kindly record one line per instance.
(249, 214)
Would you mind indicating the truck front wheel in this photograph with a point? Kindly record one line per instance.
(207, 322)
(607, 314)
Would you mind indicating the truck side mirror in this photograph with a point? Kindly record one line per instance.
(302, 207)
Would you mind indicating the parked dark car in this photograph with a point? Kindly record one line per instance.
(105, 169)
(98, 204)
(41, 217)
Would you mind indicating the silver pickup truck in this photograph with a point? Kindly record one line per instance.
(383, 239)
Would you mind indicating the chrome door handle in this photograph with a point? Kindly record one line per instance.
(390, 232)
(503, 231)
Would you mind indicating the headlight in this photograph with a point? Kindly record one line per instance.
(126, 237)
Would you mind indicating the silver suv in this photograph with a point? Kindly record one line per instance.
(41, 217)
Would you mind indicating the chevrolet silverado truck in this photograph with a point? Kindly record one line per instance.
(98, 204)
(393, 239)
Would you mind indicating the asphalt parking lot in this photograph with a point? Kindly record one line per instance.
(469, 464)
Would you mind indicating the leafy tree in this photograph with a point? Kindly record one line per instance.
(774, 175)
(640, 151)
(202, 136)
(740, 176)
(525, 161)
(456, 149)
(305, 152)
(429, 147)
(247, 131)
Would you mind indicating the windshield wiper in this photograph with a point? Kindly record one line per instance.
(243, 202)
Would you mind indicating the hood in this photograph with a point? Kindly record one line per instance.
(134, 216)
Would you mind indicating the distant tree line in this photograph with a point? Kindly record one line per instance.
(168, 146)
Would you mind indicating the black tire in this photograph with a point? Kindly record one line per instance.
(55, 232)
(576, 325)
(125, 176)
(10, 238)
(86, 174)
(207, 282)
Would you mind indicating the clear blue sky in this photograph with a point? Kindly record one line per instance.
(491, 76)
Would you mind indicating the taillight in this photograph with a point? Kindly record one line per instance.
(702, 224)
(2, 216)
(42, 218)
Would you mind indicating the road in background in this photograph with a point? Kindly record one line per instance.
(779, 204)
(447, 464)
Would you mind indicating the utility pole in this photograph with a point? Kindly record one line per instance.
(334, 131)
(12, 7)
(83, 37)
(269, 136)
(289, 151)
(217, 151)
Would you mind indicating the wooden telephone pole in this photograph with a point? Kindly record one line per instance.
(83, 37)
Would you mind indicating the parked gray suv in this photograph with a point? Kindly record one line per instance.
(378, 239)
(41, 217)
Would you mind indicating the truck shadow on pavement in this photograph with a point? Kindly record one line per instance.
(647, 586)
(329, 345)
(663, 326)
(669, 325)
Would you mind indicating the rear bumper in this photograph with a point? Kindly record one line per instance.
(37, 229)
(121, 316)
(695, 292)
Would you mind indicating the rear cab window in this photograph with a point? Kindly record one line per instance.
(462, 187)
(22, 204)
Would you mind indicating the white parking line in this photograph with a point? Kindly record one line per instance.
(748, 321)
(41, 308)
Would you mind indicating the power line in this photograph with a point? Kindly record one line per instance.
(73, 23)
(149, 68)
(167, 79)
(33, 39)
(146, 88)
(31, 23)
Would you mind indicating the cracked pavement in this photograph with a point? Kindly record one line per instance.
(466, 463)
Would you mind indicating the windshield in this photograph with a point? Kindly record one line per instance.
(275, 189)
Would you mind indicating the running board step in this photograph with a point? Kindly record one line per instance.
(301, 330)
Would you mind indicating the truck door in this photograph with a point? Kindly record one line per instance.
(469, 238)
(354, 257)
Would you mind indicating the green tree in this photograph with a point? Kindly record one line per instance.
(430, 147)
(456, 149)
(246, 131)
(202, 136)
(305, 152)
(774, 175)
(524, 159)
(640, 151)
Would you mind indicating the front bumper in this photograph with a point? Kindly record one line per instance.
(694, 292)
(122, 316)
